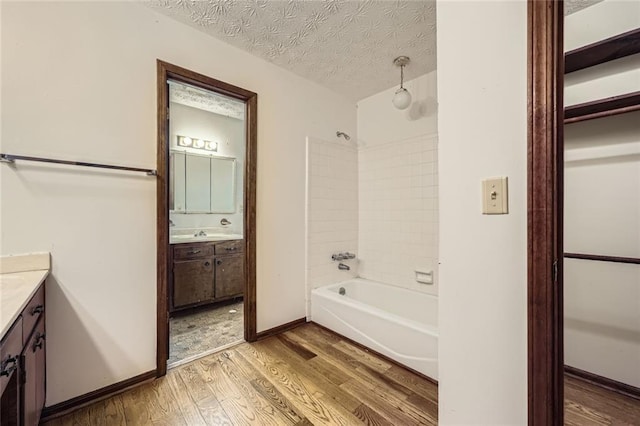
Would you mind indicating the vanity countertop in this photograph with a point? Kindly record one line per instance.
(189, 238)
(17, 287)
(16, 290)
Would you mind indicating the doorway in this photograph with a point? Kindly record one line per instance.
(553, 327)
(207, 140)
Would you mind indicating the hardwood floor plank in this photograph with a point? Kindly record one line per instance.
(277, 350)
(136, 410)
(114, 411)
(262, 386)
(200, 393)
(414, 382)
(320, 363)
(306, 398)
(576, 414)
(298, 349)
(161, 403)
(365, 357)
(239, 400)
(96, 414)
(378, 403)
(369, 417)
(344, 362)
(264, 412)
(187, 406)
(592, 404)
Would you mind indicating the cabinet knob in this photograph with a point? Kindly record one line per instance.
(218, 262)
(231, 248)
(37, 310)
(207, 263)
(194, 251)
(6, 369)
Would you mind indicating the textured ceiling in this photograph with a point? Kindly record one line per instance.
(203, 99)
(573, 6)
(347, 46)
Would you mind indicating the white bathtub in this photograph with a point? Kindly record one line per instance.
(397, 322)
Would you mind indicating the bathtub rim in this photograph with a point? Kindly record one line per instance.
(327, 293)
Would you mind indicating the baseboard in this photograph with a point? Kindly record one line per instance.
(73, 404)
(604, 382)
(280, 329)
(386, 358)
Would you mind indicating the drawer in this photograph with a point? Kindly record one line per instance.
(230, 247)
(10, 349)
(192, 251)
(30, 315)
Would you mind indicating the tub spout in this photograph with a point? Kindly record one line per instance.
(343, 267)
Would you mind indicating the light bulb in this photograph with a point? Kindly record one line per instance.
(402, 98)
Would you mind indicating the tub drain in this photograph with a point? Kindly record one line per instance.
(342, 291)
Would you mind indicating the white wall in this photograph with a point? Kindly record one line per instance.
(602, 207)
(332, 211)
(398, 186)
(229, 133)
(482, 132)
(79, 82)
(598, 22)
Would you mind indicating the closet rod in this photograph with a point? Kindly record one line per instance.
(9, 158)
(600, 258)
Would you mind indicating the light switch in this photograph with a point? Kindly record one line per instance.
(495, 196)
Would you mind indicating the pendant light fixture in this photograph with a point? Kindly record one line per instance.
(402, 98)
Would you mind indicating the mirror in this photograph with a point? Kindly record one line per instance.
(201, 183)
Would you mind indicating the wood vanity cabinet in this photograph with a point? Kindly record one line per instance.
(22, 369)
(205, 273)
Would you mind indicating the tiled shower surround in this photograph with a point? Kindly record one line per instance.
(380, 202)
(332, 209)
(398, 211)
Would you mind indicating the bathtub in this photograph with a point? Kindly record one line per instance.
(397, 322)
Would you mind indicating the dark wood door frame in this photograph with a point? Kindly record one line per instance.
(544, 210)
(166, 71)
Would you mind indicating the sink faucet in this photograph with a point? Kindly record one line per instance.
(200, 234)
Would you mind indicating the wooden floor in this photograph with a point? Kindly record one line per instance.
(587, 404)
(305, 376)
(309, 376)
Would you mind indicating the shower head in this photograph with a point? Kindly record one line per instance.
(343, 134)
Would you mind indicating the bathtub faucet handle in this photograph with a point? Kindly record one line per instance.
(348, 255)
(343, 267)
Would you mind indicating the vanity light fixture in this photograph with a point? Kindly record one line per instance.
(197, 143)
(402, 98)
(184, 141)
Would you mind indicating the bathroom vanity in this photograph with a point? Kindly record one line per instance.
(22, 342)
(205, 272)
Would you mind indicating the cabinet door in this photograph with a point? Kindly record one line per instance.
(33, 390)
(229, 276)
(192, 282)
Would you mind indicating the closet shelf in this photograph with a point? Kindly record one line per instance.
(601, 258)
(602, 51)
(602, 108)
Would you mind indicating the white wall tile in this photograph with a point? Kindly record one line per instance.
(398, 217)
(332, 210)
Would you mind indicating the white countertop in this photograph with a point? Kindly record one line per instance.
(16, 290)
(20, 277)
(189, 238)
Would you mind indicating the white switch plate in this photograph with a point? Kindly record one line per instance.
(495, 196)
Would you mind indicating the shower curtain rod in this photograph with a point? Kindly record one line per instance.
(9, 158)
